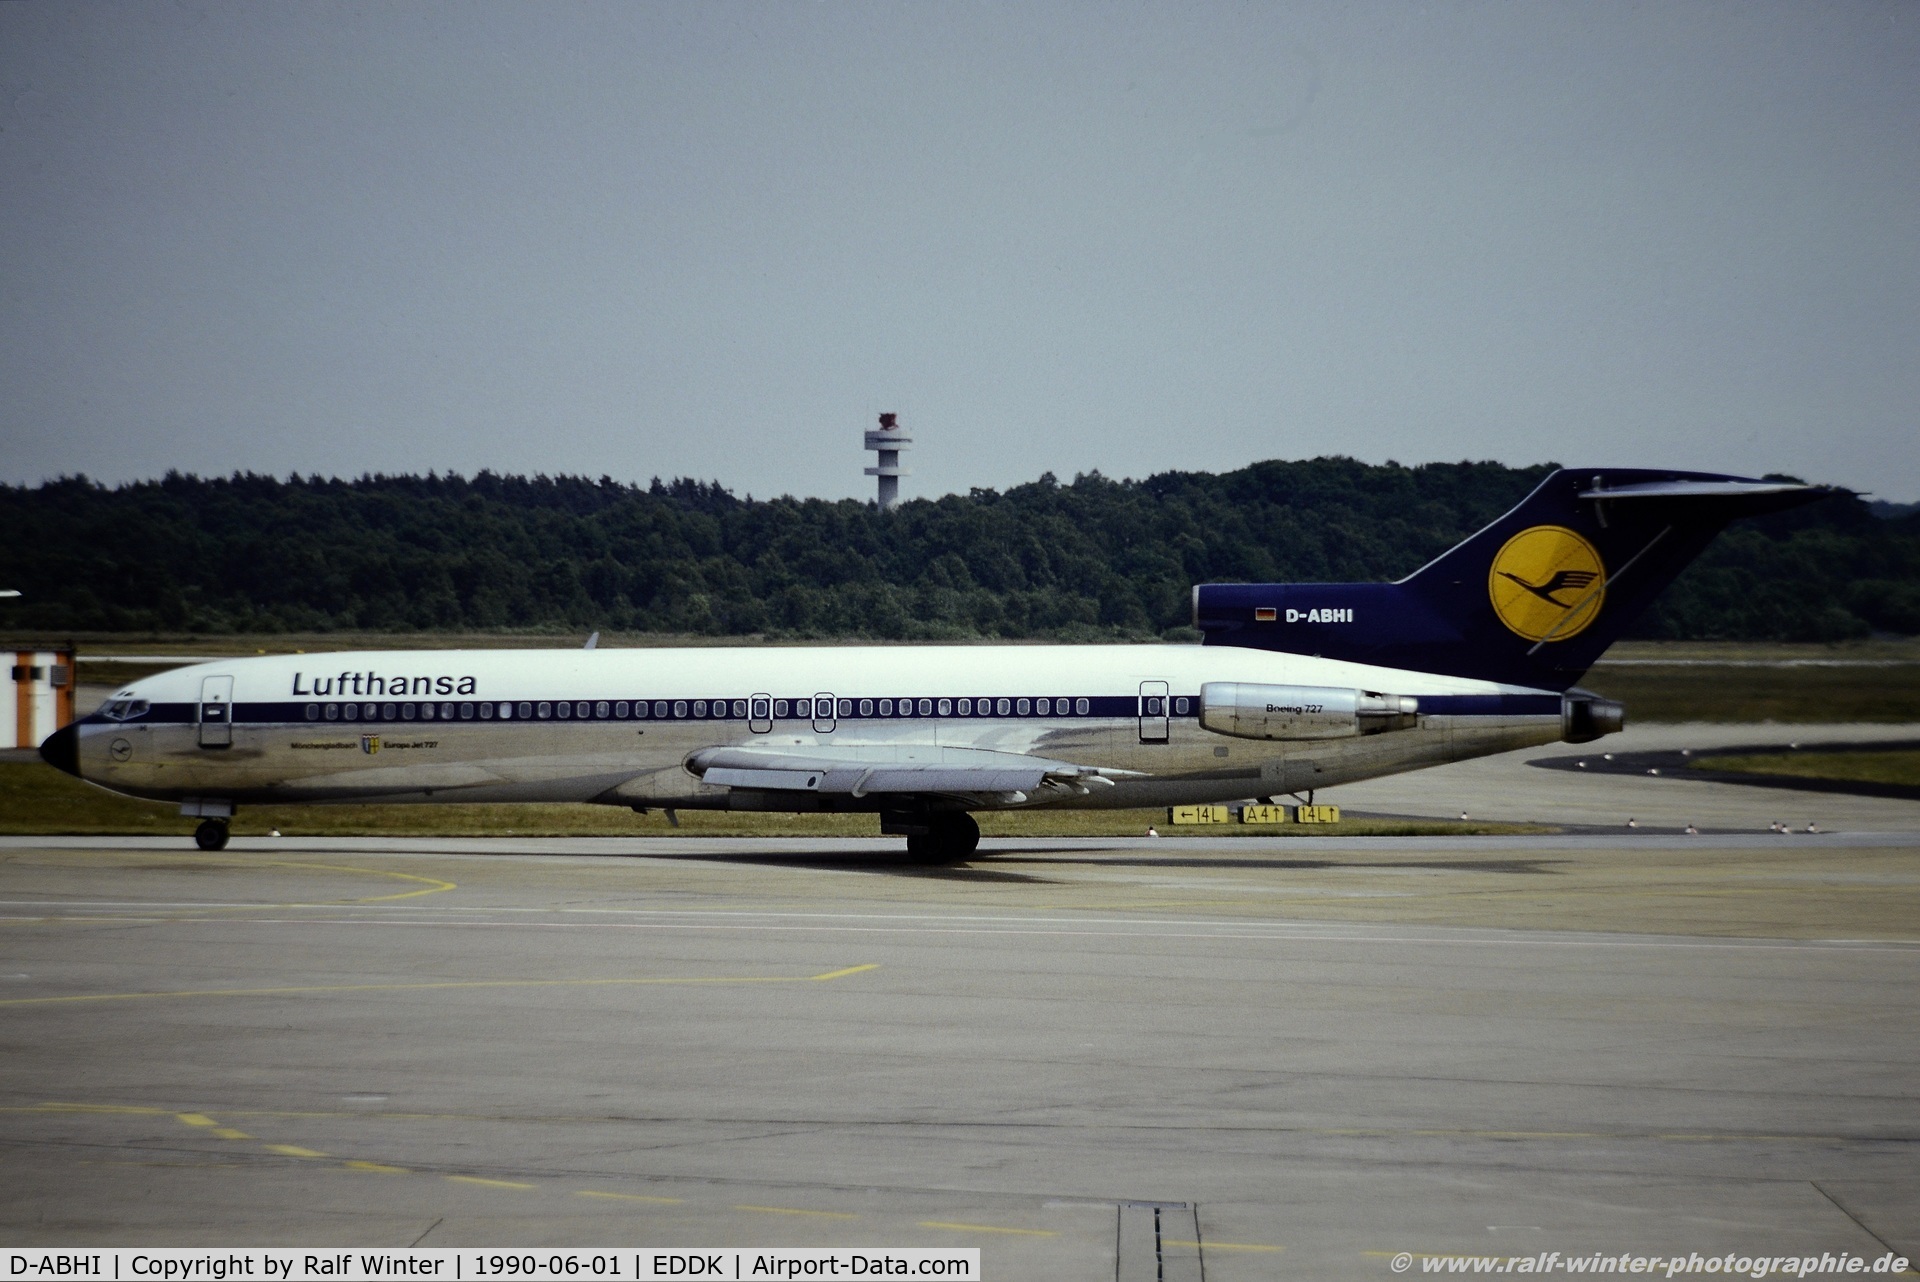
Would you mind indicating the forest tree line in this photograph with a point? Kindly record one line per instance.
(1094, 559)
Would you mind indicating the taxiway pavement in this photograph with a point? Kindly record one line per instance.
(1317, 1052)
(1509, 788)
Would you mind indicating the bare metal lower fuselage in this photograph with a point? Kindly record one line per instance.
(422, 751)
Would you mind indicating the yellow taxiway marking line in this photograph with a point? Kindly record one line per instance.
(308, 989)
(492, 1184)
(292, 1150)
(434, 885)
(376, 1168)
(987, 1228)
(630, 1197)
(794, 1210)
(842, 974)
(1227, 1246)
(219, 1131)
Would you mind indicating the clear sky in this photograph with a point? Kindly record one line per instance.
(717, 239)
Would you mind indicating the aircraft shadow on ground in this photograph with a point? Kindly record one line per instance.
(860, 861)
(1524, 867)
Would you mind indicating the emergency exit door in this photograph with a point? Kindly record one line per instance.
(1153, 712)
(216, 712)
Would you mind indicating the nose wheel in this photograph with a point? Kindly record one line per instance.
(211, 834)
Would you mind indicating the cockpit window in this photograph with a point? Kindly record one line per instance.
(124, 709)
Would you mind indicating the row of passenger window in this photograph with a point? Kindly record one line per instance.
(702, 709)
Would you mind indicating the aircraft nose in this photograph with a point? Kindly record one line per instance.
(61, 750)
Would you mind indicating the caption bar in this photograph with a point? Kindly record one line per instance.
(282, 1264)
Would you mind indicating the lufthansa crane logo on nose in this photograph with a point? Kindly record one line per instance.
(1547, 582)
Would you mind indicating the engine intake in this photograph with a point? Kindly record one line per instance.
(1248, 711)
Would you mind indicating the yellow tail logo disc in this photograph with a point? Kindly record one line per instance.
(1547, 581)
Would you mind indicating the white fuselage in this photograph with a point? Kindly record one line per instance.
(619, 726)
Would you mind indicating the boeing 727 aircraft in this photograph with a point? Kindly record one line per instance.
(1295, 686)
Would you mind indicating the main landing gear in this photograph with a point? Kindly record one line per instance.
(211, 834)
(944, 837)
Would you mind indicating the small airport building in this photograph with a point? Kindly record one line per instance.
(39, 698)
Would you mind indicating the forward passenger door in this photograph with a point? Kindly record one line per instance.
(216, 712)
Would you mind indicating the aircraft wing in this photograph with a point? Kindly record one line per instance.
(864, 771)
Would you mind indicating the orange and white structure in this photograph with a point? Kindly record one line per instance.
(38, 698)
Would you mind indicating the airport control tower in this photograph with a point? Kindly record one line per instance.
(889, 441)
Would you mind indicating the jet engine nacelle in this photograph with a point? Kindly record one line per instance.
(1585, 716)
(1249, 711)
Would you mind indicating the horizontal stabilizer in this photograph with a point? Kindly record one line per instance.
(1696, 489)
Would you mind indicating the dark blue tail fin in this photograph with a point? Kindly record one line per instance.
(1532, 600)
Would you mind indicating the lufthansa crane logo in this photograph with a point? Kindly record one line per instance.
(1547, 582)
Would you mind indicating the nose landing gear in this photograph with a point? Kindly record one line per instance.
(211, 834)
